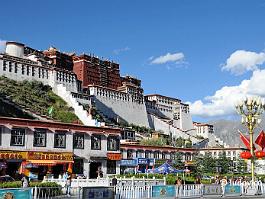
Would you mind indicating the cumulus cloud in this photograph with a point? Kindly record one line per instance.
(2, 45)
(242, 61)
(222, 103)
(118, 51)
(175, 57)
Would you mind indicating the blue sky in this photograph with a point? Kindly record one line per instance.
(177, 48)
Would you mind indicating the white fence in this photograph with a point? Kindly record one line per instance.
(105, 182)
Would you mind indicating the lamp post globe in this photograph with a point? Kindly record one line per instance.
(250, 110)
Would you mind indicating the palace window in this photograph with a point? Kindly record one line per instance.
(95, 142)
(156, 154)
(60, 140)
(17, 137)
(163, 156)
(147, 154)
(4, 66)
(10, 66)
(129, 154)
(33, 71)
(78, 141)
(39, 72)
(15, 67)
(39, 138)
(113, 143)
(28, 70)
(23, 70)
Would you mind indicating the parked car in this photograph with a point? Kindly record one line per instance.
(6, 178)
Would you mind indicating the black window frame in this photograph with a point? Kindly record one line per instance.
(4, 65)
(74, 140)
(60, 133)
(93, 136)
(42, 131)
(117, 145)
(129, 154)
(23, 140)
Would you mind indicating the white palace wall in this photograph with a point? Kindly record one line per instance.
(115, 104)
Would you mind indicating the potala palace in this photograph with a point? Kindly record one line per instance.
(88, 80)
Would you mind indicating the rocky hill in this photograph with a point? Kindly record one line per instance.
(227, 130)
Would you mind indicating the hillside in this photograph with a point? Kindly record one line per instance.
(227, 130)
(35, 97)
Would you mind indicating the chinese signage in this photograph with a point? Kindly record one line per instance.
(232, 190)
(114, 156)
(33, 155)
(18, 155)
(142, 161)
(163, 191)
(15, 193)
(212, 189)
(146, 161)
(132, 162)
(98, 192)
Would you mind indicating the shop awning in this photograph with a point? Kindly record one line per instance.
(43, 162)
(49, 162)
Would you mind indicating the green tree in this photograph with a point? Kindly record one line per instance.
(224, 163)
(241, 165)
(179, 164)
(180, 142)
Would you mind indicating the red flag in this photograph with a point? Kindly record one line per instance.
(245, 140)
(260, 140)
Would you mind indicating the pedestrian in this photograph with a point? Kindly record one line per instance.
(25, 181)
(68, 185)
(178, 184)
(197, 180)
(114, 181)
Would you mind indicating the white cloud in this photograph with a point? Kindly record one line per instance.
(2, 45)
(242, 61)
(222, 103)
(118, 51)
(175, 57)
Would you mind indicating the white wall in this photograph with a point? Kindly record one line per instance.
(113, 104)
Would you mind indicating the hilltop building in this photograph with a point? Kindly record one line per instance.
(88, 80)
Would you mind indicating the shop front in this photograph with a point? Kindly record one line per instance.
(112, 159)
(128, 166)
(144, 164)
(50, 164)
(10, 162)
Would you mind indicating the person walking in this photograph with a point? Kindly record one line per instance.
(25, 181)
(68, 185)
(178, 184)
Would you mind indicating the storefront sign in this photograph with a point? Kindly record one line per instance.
(98, 192)
(15, 193)
(163, 191)
(17, 155)
(132, 162)
(114, 156)
(142, 161)
(232, 190)
(151, 162)
(212, 189)
(33, 155)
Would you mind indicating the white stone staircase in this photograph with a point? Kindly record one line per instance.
(167, 127)
(82, 114)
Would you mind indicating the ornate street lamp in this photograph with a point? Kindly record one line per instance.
(251, 110)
